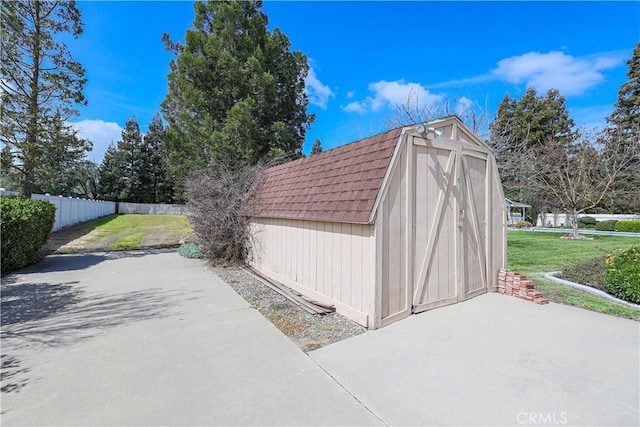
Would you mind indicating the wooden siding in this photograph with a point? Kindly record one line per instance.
(440, 225)
(433, 226)
(333, 263)
(437, 235)
(475, 225)
(394, 296)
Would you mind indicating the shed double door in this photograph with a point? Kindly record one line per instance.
(450, 227)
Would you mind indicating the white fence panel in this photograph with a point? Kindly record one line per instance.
(558, 220)
(151, 208)
(69, 210)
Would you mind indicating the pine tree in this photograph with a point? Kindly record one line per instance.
(60, 159)
(317, 147)
(158, 183)
(111, 182)
(39, 82)
(134, 170)
(626, 115)
(236, 90)
(624, 131)
(519, 128)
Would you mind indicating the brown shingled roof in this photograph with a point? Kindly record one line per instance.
(338, 185)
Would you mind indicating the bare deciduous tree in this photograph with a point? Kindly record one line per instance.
(219, 201)
(581, 174)
(415, 110)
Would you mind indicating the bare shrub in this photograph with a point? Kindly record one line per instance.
(219, 202)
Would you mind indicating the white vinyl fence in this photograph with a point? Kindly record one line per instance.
(564, 220)
(70, 211)
(149, 208)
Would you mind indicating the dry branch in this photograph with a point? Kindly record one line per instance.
(220, 201)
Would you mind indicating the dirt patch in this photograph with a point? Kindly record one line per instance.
(165, 240)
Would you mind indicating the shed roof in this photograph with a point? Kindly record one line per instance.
(338, 185)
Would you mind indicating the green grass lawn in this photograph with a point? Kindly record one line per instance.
(144, 223)
(139, 231)
(535, 253)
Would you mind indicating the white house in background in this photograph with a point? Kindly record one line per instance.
(515, 217)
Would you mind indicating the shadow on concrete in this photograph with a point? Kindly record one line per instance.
(27, 302)
(55, 263)
(41, 315)
(81, 261)
(12, 376)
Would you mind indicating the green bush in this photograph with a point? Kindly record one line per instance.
(628, 226)
(608, 225)
(25, 226)
(524, 224)
(590, 272)
(587, 222)
(623, 274)
(190, 250)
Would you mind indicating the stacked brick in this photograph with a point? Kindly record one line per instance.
(517, 285)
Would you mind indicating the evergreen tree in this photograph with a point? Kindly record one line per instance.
(317, 147)
(157, 181)
(40, 83)
(134, 170)
(236, 90)
(533, 119)
(625, 127)
(112, 179)
(60, 160)
(519, 128)
(626, 115)
(87, 176)
(134, 162)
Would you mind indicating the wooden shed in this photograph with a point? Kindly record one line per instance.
(390, 225)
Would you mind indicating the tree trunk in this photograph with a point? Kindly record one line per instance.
(574, 223)
(32, 125)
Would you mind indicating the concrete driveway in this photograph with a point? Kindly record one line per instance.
(152, 339)
(495, 360)
(156, 339)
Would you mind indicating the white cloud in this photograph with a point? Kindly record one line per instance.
(355, 107)
(463, 105)
(390, 94)
(317, 92)
(100, 133)
(544, 71)
(351, 94)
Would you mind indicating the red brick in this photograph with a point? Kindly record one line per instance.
(541, 301)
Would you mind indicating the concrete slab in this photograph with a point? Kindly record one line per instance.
(152, 339)
(495, 360)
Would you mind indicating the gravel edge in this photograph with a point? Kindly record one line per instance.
(307, 331)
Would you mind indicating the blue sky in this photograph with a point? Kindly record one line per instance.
(366, 56)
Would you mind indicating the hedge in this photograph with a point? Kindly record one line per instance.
(587, 222)
(25, 225)
(628, 226)
(608, 225)
(623, 274)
